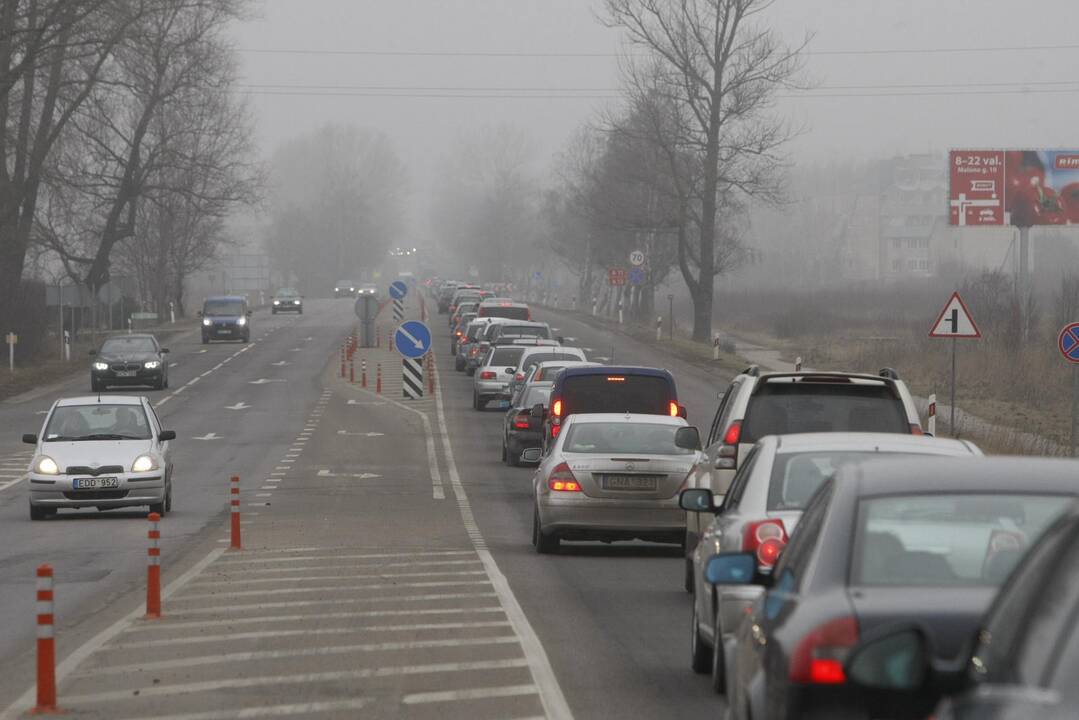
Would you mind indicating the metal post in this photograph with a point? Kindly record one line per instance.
(952, 408)
(60, 304)
(670, 316)
(1075, 410)
(1024, 279)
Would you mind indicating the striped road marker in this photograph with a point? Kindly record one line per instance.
(398, 310)
(412, 374)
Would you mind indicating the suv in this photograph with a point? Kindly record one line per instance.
(287, 300)
(493, 375)
(757, 404)
(225, 318)
(505, 309)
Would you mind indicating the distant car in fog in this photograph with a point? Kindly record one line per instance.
(369, 289)
(345, 288)
(287, 300)
(129, 360)
(225, 318)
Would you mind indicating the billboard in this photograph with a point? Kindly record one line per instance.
(1013, 187)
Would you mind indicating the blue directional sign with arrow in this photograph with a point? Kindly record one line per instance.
(398, 290)
(413, 339)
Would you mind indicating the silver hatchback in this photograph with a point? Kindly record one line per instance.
(610, 477)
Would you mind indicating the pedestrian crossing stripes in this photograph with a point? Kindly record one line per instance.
(412, 378)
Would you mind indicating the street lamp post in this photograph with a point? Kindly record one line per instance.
(670, 315)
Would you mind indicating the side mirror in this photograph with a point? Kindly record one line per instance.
(531, 455)
(560, 339)
(510, 371)
(166, 435)
(92, 353)
(249, 312)
(897, 660)
(682, 412)
(732, 569)
(29, 439)
(538, 412)
(688, 438)
(697, 500)
(165, 351)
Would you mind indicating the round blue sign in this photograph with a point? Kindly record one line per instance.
(413, 339)
(1069, 342)
(398, 290)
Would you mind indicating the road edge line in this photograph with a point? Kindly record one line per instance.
(76, 657)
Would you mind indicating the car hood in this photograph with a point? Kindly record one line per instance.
(126, 357)
(96, 452)
(223, 318)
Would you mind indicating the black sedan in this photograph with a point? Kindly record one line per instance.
(287, 300)
(925, 541)
(129, 360)
(520, 430)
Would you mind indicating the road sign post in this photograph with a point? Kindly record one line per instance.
(398, 291)
(12, 341)
(1068, 343)
(954, 321)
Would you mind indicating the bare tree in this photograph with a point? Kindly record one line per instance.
(718, 67)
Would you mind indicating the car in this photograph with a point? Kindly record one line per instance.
(465, 293)
(610, 477)
(101, 453)
(459, 330)
(225, 318)
(367, 289)
(129, 360)
(493, 374)
(609, 389)
(533, 356)
(468, 341)
(756, 404)
(1021, 660)
(504, 309)
(446, 293)
(464, 307)
(345, 288)
(287, 300)
(522, 329)
(777, 478)
(885, 541)
(520, 431)
(546, 372)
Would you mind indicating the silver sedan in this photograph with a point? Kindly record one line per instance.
(610, 477)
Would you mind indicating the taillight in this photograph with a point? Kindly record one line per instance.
(519, 377)
(459, 333)
(556, 408)
(766, 538)
(733, 434)
(674, 409)
(562, 479)
(521, 421)
(818, 658)
(487, 375)
(916, 429)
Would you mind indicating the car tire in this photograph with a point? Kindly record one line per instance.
(687, 580)
(478, 403)
(273, 312)
(161, 508)
(40, 513)
(300, 311)
(458, 364)
(245, 339)
(700, 655)
(95, 386)
(470, 371)
(544, 544)
(168, 497)
(512, 459)
(159, 384)
(504, 450)
(166, 383)
(719, 662)
(205, 340)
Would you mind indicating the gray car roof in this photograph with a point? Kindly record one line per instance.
(883, 476)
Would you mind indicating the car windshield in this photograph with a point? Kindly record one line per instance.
(625, 393)
(537, 396)
(779, 408)
(536, 358)
(623, 437)
(97, 422)
(504, 311)
(506, 356)
(226, 308)
(130, 344)
(947, 540)
(287, 292)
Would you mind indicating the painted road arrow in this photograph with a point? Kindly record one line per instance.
(280, 363)
(238, 406)
(263, 381)
(360, 434)
(209, 436)
(361, 476)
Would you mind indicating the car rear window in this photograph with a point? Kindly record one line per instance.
(796, 476)
(533, 360)
(548, 373)
(626, 393)
(938, 540)
(537, 396)
(526, 331)
(511, 312)
(805, 407)
(623, 437)
(506, 356)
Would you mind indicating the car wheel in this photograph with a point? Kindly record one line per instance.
(458, 364)
(166, 384)
(544, 544)
(512, 459)
(168, 497)
(504, 456)
(687, 580)
(273, 312)
(159, 384)
(470, 371)
(95, 386)
(300, 311)
(700, 657)
(719, 667)
(478, 403)
(159, 508)
(205, 340)
(40, 513)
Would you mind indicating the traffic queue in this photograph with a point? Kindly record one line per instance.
(842, 562)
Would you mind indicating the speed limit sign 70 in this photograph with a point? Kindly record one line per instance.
(636, 258)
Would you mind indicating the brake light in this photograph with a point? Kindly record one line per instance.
(674, 409)
(766, 538)
(556, 408)
(916, 429)
(562, 479)
(616, 379)
(521, 421)
(519, 377)
(487, 375)
(459, 333)
(733, 434)
(818, 658)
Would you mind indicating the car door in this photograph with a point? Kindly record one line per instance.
(700, 476)
(165, 447)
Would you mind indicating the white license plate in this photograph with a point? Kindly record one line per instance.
(100, 483)
(125, 373)
(224, 332)
(628, 482)
(503, 404)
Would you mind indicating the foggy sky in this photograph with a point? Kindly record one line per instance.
(835, 128)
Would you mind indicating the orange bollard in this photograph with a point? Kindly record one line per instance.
(342, 361)
(378, 336)
(363, 373)
(153, 570)
(46, 644)
(351, 371)
(378, 379)
(430, 374)
(234, 503)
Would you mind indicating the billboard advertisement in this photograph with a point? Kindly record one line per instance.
(1014, 187)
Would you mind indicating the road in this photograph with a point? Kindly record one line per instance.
(386, 562)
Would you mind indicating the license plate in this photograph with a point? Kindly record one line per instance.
(125, 373)
(224, 332)
(95, 483)
(629, 482)
(503, 404)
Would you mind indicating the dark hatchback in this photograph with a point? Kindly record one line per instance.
(609, 389)
(129, 360)
(925, 541)
(520, 430)
(225, 318)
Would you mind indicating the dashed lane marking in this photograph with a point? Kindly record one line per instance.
(471, 694)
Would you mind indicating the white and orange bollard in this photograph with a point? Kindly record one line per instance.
(363, 372)
(153, 569)
(234, 508)
(46, 644)
(931, 420)
(378, 378)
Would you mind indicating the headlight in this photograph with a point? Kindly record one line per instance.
(144, 463)
(46, 466)
(242, 321)
(276, 302)
(352, 289)
(295, 302)
(152, 364)
(207, 322)
(101, 366)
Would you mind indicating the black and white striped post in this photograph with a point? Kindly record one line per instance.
(412, 377)
(398, 310)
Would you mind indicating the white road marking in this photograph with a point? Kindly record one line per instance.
(280, 363)
(271, 619)
(332, 555)
(256, 607)
(472, 694)
(265, 381)
(263, 494)
(232, 573)
(361, 434)
(238, 406)
(361, 476)
(244, 657)
(209, 436)
(248, 713)
(337, 576)
(340, 587)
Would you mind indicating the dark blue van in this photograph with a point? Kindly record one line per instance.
(226, 317)
(609, 389)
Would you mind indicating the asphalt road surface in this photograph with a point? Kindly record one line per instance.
(387, 569)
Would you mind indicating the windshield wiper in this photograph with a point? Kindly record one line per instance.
(109, 436)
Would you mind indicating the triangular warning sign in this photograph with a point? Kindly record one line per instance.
(955, 321)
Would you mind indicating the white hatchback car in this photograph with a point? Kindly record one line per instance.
(102, 452)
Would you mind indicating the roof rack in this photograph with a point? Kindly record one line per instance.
(752, 371)
(889, 373)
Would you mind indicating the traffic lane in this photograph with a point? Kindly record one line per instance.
(99, 557)
(613, 618)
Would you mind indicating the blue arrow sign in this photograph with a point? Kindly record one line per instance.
(1069, 342)
(636, 276)
(398, 290)
(413, 339)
